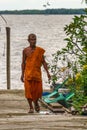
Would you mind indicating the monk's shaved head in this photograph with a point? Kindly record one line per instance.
(31, 36)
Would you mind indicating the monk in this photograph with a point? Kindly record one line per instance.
(32, 60)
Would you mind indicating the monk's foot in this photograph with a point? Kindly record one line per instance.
(31, 110)
(37, 107)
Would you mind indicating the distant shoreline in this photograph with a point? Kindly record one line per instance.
(47, 11)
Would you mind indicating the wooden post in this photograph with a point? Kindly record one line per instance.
(8, 57)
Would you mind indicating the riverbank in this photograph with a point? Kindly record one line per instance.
(14, 115)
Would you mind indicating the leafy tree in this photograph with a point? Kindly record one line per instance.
(75, 57)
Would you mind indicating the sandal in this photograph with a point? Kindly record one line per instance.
(31, 110)
(37, 108)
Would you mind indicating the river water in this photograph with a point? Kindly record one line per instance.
(50, 36)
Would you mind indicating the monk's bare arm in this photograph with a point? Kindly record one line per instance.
(23, 65)
(46, 67)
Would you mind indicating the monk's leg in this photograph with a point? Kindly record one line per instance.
(28, 94)
(37, 107)
(30, 105)
(33, 91)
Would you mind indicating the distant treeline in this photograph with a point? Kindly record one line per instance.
(47, 11)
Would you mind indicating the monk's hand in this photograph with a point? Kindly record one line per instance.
(22, 78)
(49, 76)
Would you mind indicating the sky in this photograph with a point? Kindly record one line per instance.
(38, 4)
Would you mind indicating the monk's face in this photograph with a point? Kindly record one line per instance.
(32, 40)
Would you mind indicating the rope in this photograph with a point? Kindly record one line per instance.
(0, 30)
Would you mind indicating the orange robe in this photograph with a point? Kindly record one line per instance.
(33, 76)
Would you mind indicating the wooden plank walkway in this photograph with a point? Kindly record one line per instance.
(14, 115)
(55, 107)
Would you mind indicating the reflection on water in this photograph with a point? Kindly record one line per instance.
(50, 36)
